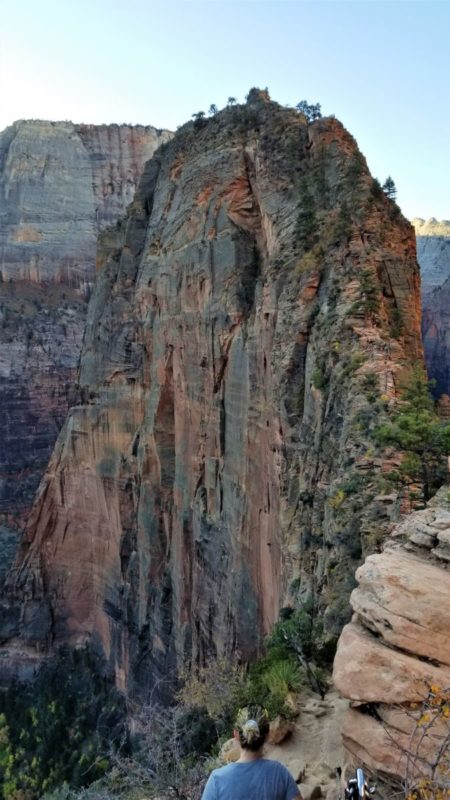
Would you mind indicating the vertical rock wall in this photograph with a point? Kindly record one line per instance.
(433, 253)
(60, 184)
(250, 323)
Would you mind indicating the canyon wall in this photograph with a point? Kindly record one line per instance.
(251, 321)
(60, 184)
(397, 648)
(433, 254)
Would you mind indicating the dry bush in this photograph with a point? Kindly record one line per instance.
(426, 757)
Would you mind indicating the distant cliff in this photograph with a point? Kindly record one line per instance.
(251, 321)
(60, 184)
(433, 254)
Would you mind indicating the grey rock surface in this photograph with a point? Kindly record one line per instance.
(433, 255)
(60, 184)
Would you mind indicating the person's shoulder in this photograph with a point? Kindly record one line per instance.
(225, 769)
(275, 765)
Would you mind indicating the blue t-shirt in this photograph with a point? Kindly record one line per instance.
(261, 779)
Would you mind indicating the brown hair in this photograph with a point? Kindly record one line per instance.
(252, 725)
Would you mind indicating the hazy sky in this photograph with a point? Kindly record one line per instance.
(381, 67)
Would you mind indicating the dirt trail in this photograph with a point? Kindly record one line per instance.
(315, 749)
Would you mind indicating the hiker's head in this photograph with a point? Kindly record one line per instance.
(252, 727)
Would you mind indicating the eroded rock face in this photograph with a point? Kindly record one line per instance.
(397, 645)
(433, 254)
(244, 314)
(60, 184)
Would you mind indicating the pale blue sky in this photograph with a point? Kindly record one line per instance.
(381, 67)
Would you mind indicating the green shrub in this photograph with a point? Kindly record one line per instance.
(284, 676)
(370, 381)
(416, 429)
(270, 679)
(319, 379)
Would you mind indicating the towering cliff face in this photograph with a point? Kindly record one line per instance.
(60, 184)
(433, 253)
(250, 321)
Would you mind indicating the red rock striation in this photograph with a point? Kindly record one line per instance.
(205, 479)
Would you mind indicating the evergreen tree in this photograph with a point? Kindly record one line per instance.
(417, 430)
(389, 188)
(311, 111)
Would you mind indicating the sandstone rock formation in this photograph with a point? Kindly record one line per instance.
(397, 645)
(250, 322)
(60, 184)
(433, 254)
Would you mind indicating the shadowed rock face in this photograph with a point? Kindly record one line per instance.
(397, 645)
(433, 254)
(203, 481)
(60, 184)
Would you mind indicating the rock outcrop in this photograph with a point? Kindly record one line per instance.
(250, 322)
(60, 184)
(397, 647)
(433, 254)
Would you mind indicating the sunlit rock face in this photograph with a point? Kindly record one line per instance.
(60, 184)
(219, 463)
(397, 646)
(433, 254)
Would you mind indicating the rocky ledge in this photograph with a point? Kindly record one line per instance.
(395, 654)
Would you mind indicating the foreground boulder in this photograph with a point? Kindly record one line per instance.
(393, 659)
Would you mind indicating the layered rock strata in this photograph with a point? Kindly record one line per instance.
(250, 323)
(433, 253)
(397, 648)
(60, 184)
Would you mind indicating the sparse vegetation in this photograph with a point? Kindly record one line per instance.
(310, 111)
(370, 292)
(307, 228)
(427, 756)
(416, 429)
(389, 188)
(319, 379)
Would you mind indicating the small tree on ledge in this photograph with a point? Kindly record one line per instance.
(389, 188)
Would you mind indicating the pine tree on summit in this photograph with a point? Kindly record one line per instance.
(311, 112)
